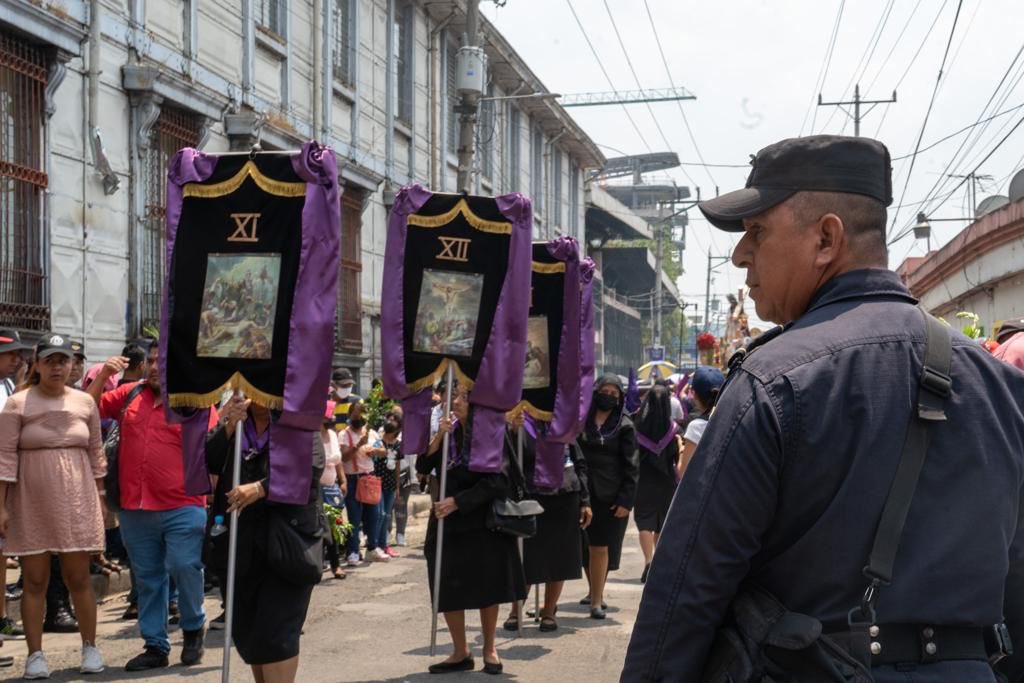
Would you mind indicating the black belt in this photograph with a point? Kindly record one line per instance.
(915, 643)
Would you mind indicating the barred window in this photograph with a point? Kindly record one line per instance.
(349, 337)
(173, 130)
(403, 60)
(343, 57)
(452, 96)
(270, 14)
(23, 181)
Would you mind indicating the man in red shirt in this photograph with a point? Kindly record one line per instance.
(162, 528)
(1011, 343)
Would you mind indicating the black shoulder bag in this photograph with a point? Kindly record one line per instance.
(516, 515)
(762, 641)
(111, 446)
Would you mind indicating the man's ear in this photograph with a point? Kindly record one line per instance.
(830, 234)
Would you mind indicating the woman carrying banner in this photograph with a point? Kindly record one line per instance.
(608, 442)
(659, 454)
(480, 567)
(553, 555)
(51, 453)
(359, 446)
(271, 599)
(333, 485)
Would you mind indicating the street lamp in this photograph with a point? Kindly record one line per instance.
(923, 227)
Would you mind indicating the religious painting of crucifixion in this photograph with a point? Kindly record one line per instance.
(447, 313)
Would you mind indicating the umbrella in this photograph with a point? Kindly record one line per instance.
(659, 369)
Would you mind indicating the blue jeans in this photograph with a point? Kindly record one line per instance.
(387, 501)
(360, 516)
(164, 544)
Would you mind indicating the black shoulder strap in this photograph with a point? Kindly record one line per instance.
(132, 395)
(934, 388)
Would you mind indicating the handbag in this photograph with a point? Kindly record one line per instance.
(368, 489)
(111, 446)
(516, 516)
(295, 543)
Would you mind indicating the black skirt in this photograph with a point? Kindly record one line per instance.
(480, 568)
(554, 553)
(653, 497)
(605, 530)
(268, 617)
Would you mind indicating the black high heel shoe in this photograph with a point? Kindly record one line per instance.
(466, 664)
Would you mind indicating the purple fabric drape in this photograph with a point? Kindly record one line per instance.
(311, 328)
(586, 390)
(498, 384)
(661, 444)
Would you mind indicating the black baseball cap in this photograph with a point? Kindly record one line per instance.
(1009, 328)
(342, 376)
(79, 349)
(817, 163)
(50, 344)
(10, 340)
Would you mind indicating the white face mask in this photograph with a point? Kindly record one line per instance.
(343, 392)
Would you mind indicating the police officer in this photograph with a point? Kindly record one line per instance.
(786, 489)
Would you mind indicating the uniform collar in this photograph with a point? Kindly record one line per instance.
(860, 284)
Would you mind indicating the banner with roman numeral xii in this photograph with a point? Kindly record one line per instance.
(456, 293)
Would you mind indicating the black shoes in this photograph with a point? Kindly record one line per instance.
(218, 623)
(173, 614)
(586, 601)
(466, 664)
(192, 649)
(60, 621)
(597, 613)
(493, 668)
(131, 612)
(152, 658)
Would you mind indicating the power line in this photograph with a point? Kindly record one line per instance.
(896, 43)
(954, 134)
(819, 83)
(928, 112)
(605, 72)
(682, 112)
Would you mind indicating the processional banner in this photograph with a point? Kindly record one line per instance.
(249, 299)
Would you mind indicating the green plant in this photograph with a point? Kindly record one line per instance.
(973, 329)
(151, 331)
(377, 406)
(340, 529)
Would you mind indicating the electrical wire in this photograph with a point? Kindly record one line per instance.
(896, 43)
(928, 112)
(954, 134)
(823, 71)
(608, 78)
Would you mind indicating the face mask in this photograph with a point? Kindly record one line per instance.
(343, 392)
(357, 423)
(390, 428)
(606, 402)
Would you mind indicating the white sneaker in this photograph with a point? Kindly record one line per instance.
(353, 560)
(35, 667)
(92, 660)
(380, 556)
(400, 540)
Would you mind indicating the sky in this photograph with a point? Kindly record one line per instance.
(757, 67)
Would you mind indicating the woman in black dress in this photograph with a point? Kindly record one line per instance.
(480, 567)
(269, 609)
(656, 435)
(609, 447)
(553, 556)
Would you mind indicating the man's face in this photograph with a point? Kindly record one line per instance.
(77, 370)
(153, 369)
(778, 254)
(9, 363)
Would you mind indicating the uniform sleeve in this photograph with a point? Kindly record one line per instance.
(97, 456)
(10, 435)
(714, 527)
(630, 468)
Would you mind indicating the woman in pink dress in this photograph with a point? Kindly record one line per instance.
(51, 454)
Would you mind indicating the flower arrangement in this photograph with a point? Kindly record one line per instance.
(705, 341)
(340, 529)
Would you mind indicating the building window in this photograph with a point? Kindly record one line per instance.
(404, 28)
(173, 130)
(270, 15)
(486, 130)
(23, 181)
(556, 214)
(453, 98)
(343, 55)
(513, 149)
(349, 337)
(537, 168)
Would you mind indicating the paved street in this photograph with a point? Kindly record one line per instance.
(375, 626)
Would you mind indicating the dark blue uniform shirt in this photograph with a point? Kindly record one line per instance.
(789, 481)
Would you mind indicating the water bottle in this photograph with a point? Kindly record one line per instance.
(218, 526)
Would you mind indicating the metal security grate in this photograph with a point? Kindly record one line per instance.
(23, 74)
(173, 130)
(342, 52)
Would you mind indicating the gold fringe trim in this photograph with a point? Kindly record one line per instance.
(274, 187)
(534, 412)
(548, 268)
(236, 381)
(432, 379)
(481, 224)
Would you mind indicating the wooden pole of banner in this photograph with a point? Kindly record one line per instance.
(449, 378)
(236, 477)
(520, 440)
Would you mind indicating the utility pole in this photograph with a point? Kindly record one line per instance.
(656, 305)
(856, 102)
(707, 291)
(469, 98)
